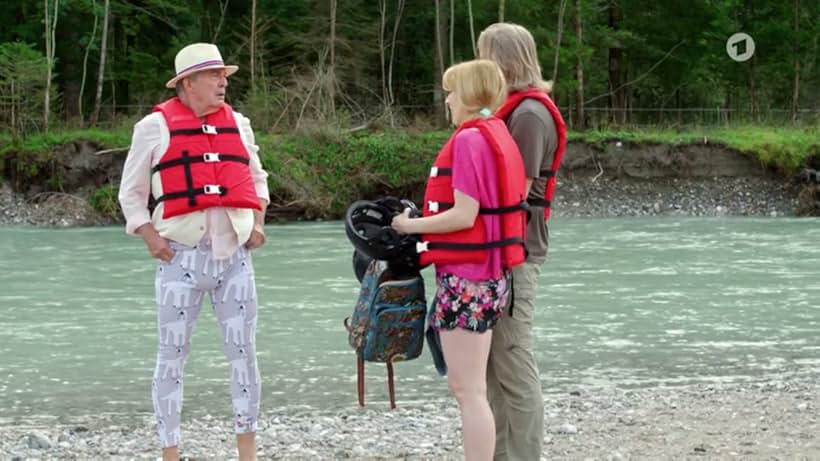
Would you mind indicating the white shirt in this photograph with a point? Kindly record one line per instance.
(227, 228)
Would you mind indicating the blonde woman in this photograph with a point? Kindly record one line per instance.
(536, 125)
(472, 229)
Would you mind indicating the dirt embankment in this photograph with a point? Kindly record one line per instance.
(609, 179)
(57, 188)
(703, 179)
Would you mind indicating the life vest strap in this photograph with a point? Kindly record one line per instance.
(421, 247)
(546, 173)
(208, 157)
(436, 172)
(435, 207)
(539, 202)
(205, 129)
(210, 189)
(523, 206)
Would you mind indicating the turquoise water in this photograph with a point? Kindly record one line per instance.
(622, 302)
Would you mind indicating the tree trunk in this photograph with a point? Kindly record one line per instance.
(47, 102)
(396, 23)
(678, 107)
(101, 74)
(472, 28)
(382, 27)
(224, 9)
(438, 92)
(616, 98)
(253, 45)
(85, 62)
(501, 11)
(387, 108)
(796, 94)
(558, 40)
(580, 119)
(51, 27)
(752, 84)
(452, 28)
(752, 89)
(331, 75)
(13, 110)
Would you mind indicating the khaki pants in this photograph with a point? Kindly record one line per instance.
(513, 385)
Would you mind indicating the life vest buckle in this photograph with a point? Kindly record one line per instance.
(212, 189)
(208, 129)
(432, 206)
(210, 157)
(421, 247)
(433, 172)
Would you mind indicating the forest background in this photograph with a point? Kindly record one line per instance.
(336, 88)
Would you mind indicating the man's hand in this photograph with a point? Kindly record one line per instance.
(157, 246)
(257, 238)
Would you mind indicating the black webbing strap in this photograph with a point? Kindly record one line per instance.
(187, 160)
(474, 246)
(512, 293)
(523, 206)
(539, 202)
(189, 179)
(547, 173)
(196, 131)
(191, 194)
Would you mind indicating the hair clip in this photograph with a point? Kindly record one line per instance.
(485, 112)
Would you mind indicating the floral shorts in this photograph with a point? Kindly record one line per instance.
(473, 306)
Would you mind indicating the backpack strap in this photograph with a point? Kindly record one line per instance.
(360, 378)
(391, 390)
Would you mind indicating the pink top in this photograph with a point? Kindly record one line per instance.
(474, 174)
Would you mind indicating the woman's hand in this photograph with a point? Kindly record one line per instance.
(403, 223)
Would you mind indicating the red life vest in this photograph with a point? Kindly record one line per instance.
(503, 112)
(471, 245)
(206, 163)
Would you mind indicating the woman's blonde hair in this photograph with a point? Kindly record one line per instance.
(478, 83)
(512, 47)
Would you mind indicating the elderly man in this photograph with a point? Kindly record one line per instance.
(198, 159)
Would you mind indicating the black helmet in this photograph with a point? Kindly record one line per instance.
(367, 225)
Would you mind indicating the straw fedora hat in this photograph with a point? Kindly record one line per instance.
(195, 58)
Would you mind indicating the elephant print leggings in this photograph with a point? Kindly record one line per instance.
(180, 286)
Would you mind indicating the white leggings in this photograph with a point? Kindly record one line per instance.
(180, 286)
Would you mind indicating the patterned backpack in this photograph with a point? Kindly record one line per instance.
(388, 321)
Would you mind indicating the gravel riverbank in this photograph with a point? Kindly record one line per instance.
(576, 197)
(771, 420)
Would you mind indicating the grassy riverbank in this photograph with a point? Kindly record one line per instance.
(320, 173)
(783, 148)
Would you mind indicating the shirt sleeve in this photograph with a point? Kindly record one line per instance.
(465, 173)
(135, 186)
(528, 131)
(260, 176)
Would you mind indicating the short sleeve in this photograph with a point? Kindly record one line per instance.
(528, 131)
(465, 173)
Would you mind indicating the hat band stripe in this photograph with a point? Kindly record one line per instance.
(202, 64)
